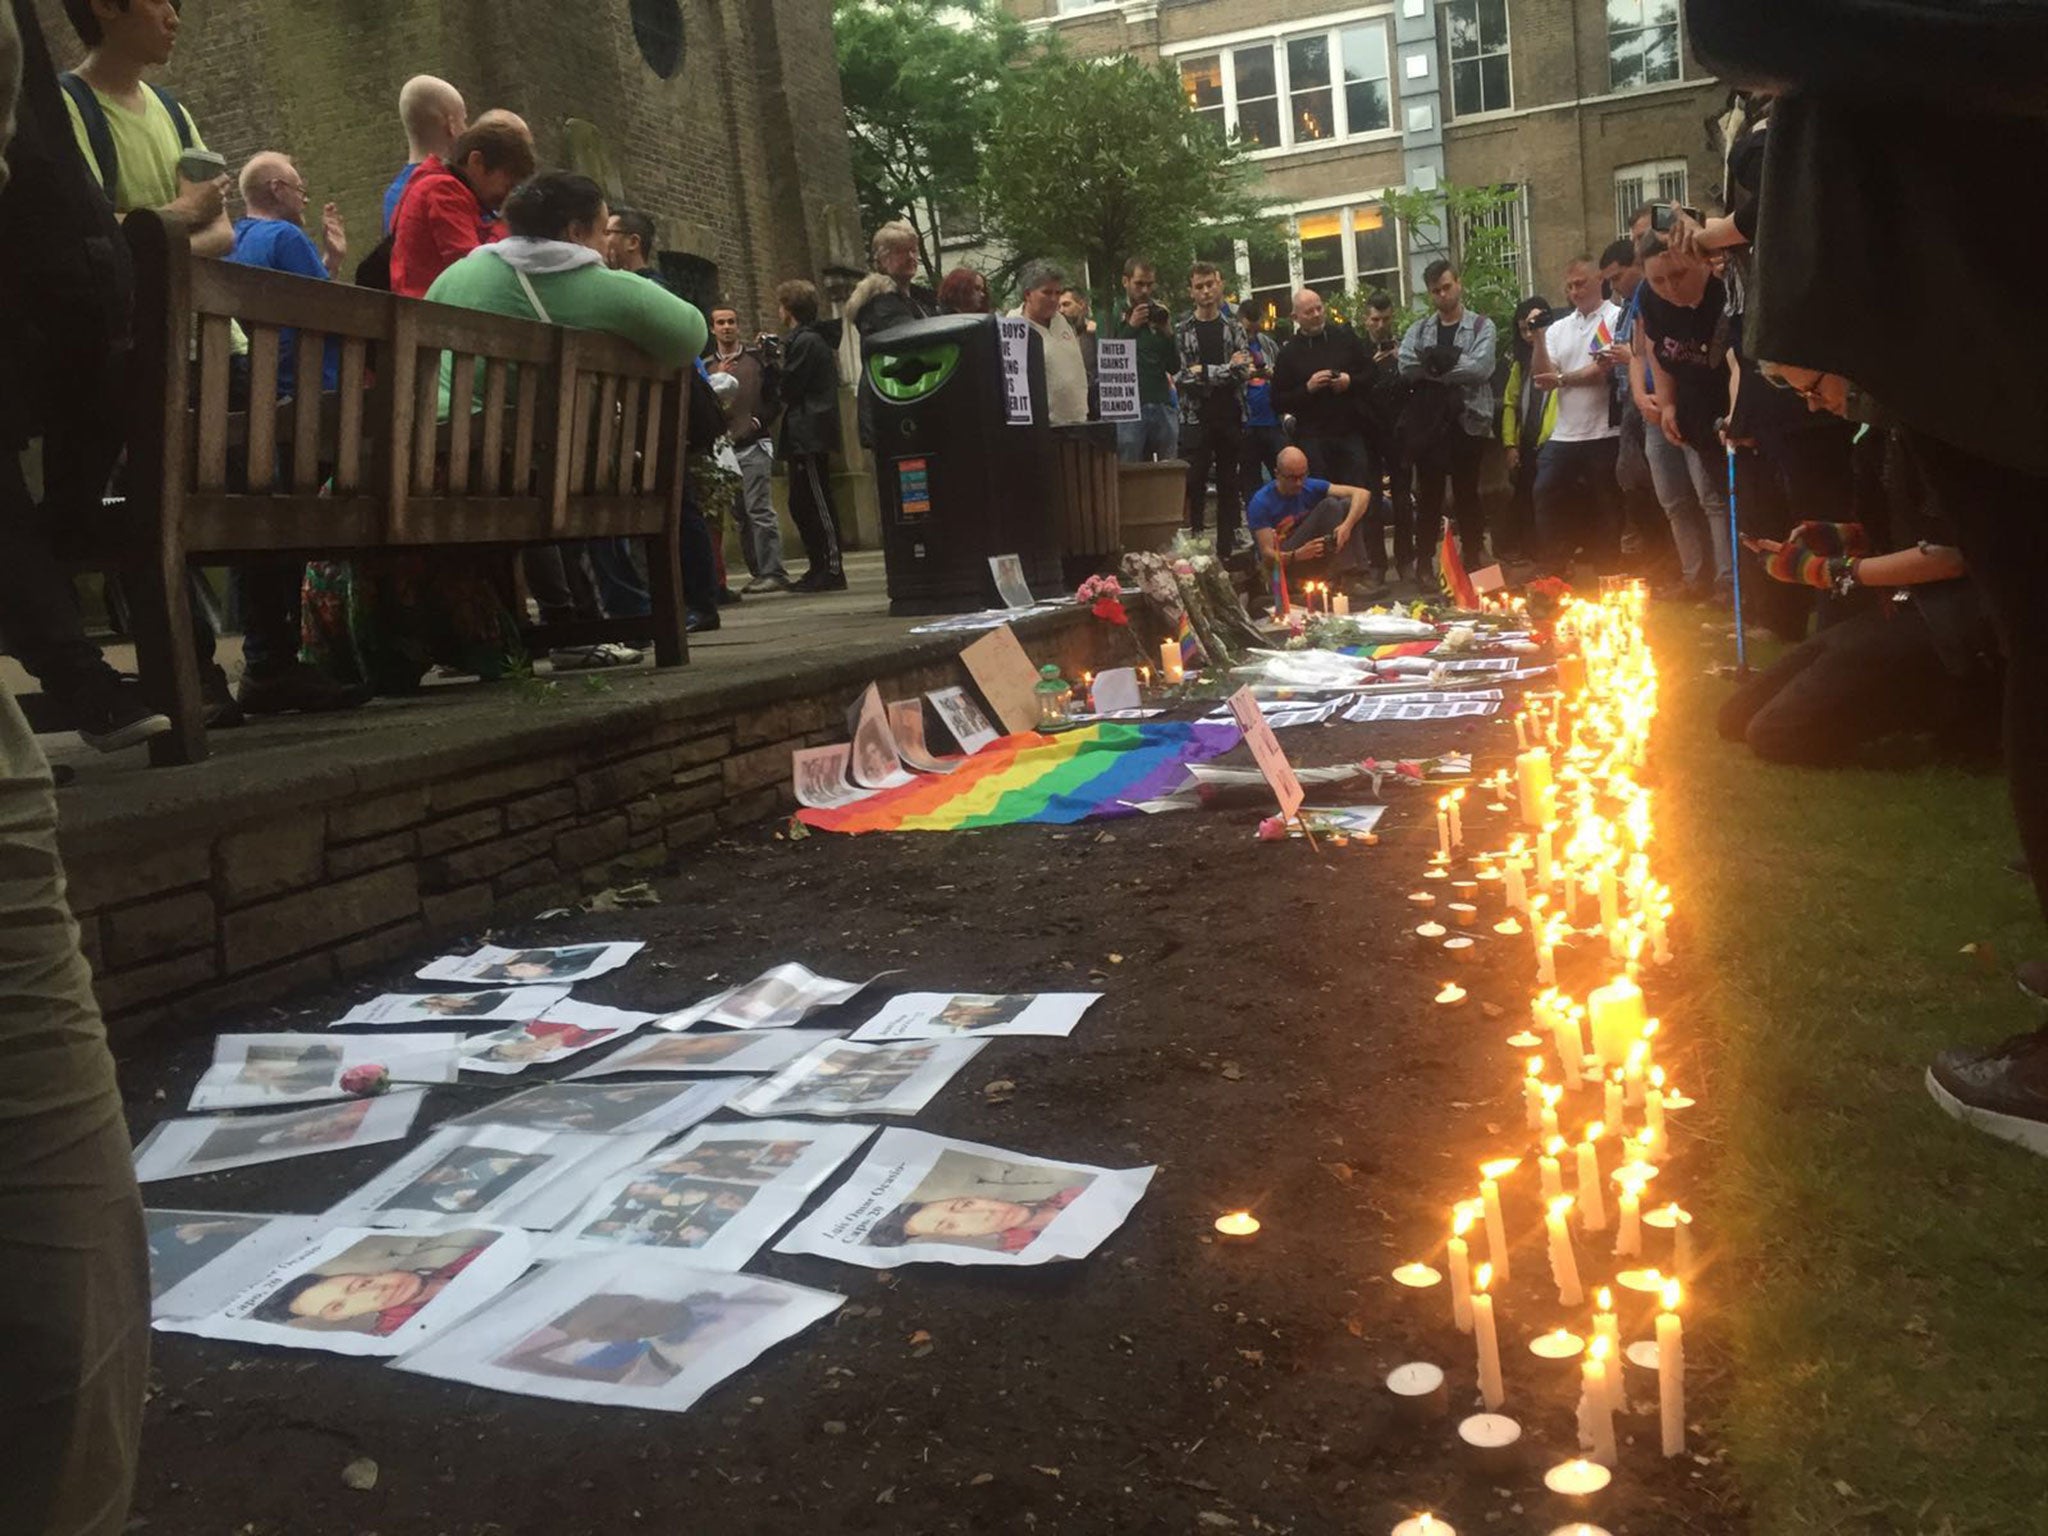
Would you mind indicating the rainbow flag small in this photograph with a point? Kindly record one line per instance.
(1457, 585)
(1191, 652)
(1603, 338)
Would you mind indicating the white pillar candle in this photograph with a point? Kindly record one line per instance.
(1491, 1390)
(1517, 890)
(1460, 1266)
(1548, 1125)
(1653, 1108)
(1592, 1200)
(1496, 1224)
(1522, 731)
(1607, 1325)
(1671, 1373)
(1443, 827)
(1532, 1093)
(1544, 856)
(1628, 1229)
(1550, 1170)
(1612, 1106)
(1546, 953)
(1680, 1223)
(1532, 780)
(1564, 1264)
(1617, 1013)
(1632, 1074)
(1660, 936)
(1342, 603)
(1571, 880)
(1596, 1411)
(1571, 1050)
(1457, 819)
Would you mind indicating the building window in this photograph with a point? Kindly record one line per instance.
(1269, 283)
(1500, 235)
(1332, 250)
(1642, 43)
(1477, 41)
(658, 32)
(1296, 92)
(1654, 181)
(1375, 250)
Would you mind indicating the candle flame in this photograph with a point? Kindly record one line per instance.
(1605, 1299)
(1595, 1131)
(1671, 1296)
(1482, 1277)
(1638, 1052)
(1601, 1347)
(1499, 1166)
(1552, 1092)
(1555, 1145)
(1657, 1078)
(1535, 1066)
(1561, 1206)
(1461, 1221)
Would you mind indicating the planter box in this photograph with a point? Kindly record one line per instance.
(1151, 503)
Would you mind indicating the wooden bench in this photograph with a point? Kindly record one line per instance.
(551, 434)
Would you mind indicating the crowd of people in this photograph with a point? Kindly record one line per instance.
(470, 219)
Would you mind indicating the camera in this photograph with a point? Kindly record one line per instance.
(1664, 215)
(770, 345)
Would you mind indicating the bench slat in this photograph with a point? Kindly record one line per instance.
(348, 436)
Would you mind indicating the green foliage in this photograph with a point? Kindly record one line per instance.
(919, 77)
(1468, 224)
(1094, 161)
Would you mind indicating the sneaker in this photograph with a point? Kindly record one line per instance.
(727, 597)
(218, 709)
(593, 658)
(115, 717)
(2002, 1091)
(760, 584)
(695, 623)
(296, 687)
(817, 580)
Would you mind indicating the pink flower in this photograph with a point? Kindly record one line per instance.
(367, 1080)
(1272, 830)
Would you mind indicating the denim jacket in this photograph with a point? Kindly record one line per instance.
(1473, 373)
(1224, 386)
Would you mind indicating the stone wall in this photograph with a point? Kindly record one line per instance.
(236, 902)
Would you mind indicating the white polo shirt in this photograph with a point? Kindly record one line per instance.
(1573, 340)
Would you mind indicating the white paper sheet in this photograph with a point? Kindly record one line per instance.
(844, 1078)
(718, 1195)
(1351, 820)
(1367, 711)
(266, 1071)
(819, 777)
(745, 1051)
(1011, 586)
(776, 999)
(488, 1175)
(975, 1015)
(209, 1143)
(922, 1198)
(454, 1007)
(1115, 689)
(634, 1330)
(567, 1028)
(875, 763)
(186, 1244)
(906, 721)
(356, 1291)
(963, 718)
(607, 1110)
(560, 965)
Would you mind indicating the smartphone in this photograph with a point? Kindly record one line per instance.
(202, 165)
(1662, 218)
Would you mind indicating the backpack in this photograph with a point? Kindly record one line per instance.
(101, 137)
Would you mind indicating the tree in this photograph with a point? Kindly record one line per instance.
(1096, 160)
(919, 77)
(1468, 224)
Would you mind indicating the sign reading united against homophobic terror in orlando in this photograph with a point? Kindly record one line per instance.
(1116, 378)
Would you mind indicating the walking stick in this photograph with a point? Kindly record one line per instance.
(1735, 566)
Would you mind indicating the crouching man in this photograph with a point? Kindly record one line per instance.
(1306, 527)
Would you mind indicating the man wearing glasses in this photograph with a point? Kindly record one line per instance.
(270, 235)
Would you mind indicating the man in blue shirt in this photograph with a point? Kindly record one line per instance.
(270, 236)
(1305, 526)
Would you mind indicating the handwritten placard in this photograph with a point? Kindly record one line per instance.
(1116, 379)
(1016, 334)
(1258, 735)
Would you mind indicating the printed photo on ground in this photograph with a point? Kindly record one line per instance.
(457, 1007)
(954, 1015)
(493, 965)
(747, 1051)
(493, 1174)
(666, 1107)
(254, 1071)
(845, 1078)
(209, 1143)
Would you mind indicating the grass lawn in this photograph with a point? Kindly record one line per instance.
(1883, 1270)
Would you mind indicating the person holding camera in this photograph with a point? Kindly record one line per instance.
(1576, 354)
(1156, 432)
(757, 369)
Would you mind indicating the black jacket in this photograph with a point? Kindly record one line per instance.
(810, 388)
(1324, 412)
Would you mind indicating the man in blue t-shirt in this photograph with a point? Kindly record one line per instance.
(1305, 526)
(271, 236)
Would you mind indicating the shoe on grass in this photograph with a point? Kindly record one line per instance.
(594, 658)
(2002, 1091)
(113, 717)
(295, 687)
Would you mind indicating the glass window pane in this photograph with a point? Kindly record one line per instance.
(1465, 88)
(1202, 80)
(1368, 106)
(1254, 73)
(1493, 24)
(1660, 13)
(1461, 24)
(1624, 15)
(1671, 186)
(1493, 77)
(1308, 62)
(1365, 53)
(1258, 123)
(1624, 60)
(1375, 245)
(1314, 116)
(1660, 54)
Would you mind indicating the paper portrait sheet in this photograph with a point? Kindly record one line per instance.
(210, 1143)
(454, 1007)
(186, 1244)
(492, 1175)
(963, 719)
(745, 1051)
(875, 763)
(1115, 689)
(843, 1078)
(1006, 678)
(1397, 710)
(260, 1071)
(776, 999)
(922, 1198)
(632, 1330)
(717, 1195)
(559, 966)
(906, 720)
(1011, 586)
(819, 777)
(357, 1291)
(605, 1110)
(974, 1015)
(565, 1029)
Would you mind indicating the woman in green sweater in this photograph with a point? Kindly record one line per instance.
(388, 619)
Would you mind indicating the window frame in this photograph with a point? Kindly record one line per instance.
(1278, 43)
(1676, 27)
(1505, 51)
(1346, 210)
(1649, 176)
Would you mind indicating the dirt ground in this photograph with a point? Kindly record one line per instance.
(1268, 1039)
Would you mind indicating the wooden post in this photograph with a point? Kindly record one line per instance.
(665, 552)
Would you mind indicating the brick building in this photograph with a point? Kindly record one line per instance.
(1584, 107)
(721, 118)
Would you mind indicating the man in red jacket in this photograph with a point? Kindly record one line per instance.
(442, 217)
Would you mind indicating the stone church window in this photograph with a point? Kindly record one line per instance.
(658, 29)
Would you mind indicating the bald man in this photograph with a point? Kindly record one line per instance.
(1306, 526)
(1321, 381)
(435, 117)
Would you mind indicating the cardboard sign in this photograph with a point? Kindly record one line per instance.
(1258, 735)
(1006, 678)
(1016, 334)
(1116, 379)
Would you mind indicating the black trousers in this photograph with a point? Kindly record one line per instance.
(2001, 515)
(1458, 463)
(1392, 480)
(1517, 534)
(1261, 446)
(1215, 442)
(811, 509)
(1578, 502)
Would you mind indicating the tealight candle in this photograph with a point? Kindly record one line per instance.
(1564, 1264)
(1237, 1225)
(1452, 994)
(1496, 1225)
(1419, 1390)
(1425, 1525)
(1422, 898)
(1465, 913)
(1493, 1438)
(1436, 874)
(1577, 1478)
(1431, 931)
(1491, 1391)
(1671, 1372)
(1579, 1529)
(1647, 1280)
(1508, 928)
(1680, 1223)
(1558, 1344)
(1417, 1276)
(1461, 949)
(1521, 1040)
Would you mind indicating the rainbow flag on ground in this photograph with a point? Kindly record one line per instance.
(1075, 776)
(1389, 651)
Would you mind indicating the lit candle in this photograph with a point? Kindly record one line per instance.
(1423, 898)
(1460, 1266)
(1546, 951)
(1570, 877)
(1464, 912)
(1237, 1225)
(1418, 1389)
(1343, 605)
(1596, 1411)
(1559, 1344)
(1496, 1226)
(1443, 826)
(1545, 856)
(1628, 1230)
(1577, 1478)
(1532, 777)
(1508, 928)
(1425, 1525)
(1521, 734)
(1550, 1171)
(1612, 1105)
(1547, 1123)
(1532, 1093)
(1607, 1328)
(1457, 819)
(1671, 1373)
(1610, 910)
(1571, 1050)
(1517, 890)
(1680, 1223)
(1491, 1391)
(1617, 1012)
(1564, 1264)
(1632, 1072)
(1430, 932)
(1452, 994)
(1169, 661)
(1417, 1277)
(1592, 1203)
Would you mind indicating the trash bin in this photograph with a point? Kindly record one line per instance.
(956, 482)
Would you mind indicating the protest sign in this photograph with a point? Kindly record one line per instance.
(615, 1111)
(1265, 749)
(842, 1078)
(489, 1174)
(923, 1198)
(260, 1071)
(954, 1015)
(1015, 331)
(819, 775)
(564, 964)
(454, 1007)
(210, 1143)
(1006, 678)
(567, 1028)
(1116, 379)
(744, 1051)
